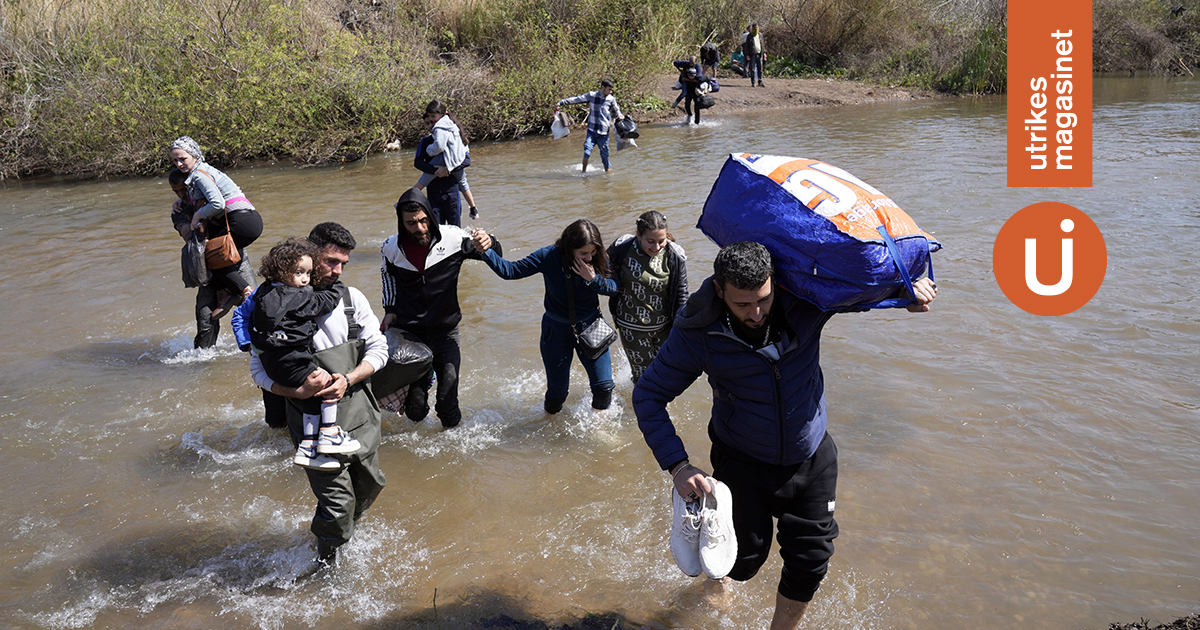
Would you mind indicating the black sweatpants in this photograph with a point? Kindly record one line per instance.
(447, 359)
(801, 496)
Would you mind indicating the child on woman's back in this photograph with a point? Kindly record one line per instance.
(282, 325)
(447, 151)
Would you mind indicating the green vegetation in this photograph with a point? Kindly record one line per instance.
(95, 87)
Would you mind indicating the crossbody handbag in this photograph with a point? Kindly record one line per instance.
(221, 252)
(597, 337)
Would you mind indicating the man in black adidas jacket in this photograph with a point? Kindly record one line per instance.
(421, 263)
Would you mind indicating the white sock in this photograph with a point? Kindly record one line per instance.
(328, 416)
(311, 423)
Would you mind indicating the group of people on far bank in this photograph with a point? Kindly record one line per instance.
(315, 344)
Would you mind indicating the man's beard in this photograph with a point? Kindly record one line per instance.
(421, 240)
(749, 334)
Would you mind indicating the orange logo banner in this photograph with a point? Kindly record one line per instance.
(854, 206)
(1050, 93)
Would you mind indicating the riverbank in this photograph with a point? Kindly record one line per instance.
(736, 95)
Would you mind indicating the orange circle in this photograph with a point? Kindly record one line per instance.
(1049, 258)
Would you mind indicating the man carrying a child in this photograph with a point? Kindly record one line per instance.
(348, 348)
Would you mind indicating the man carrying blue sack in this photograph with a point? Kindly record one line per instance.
(760, 347)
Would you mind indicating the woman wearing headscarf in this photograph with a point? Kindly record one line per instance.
(219, 202)
(651, 272)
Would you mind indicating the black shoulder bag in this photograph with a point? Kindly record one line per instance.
(597, 337)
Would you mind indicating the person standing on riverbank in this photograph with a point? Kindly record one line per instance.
(709, 57)
(760, 347)
(348, 348)
(421, 265)
(752, 48)
(602, 108)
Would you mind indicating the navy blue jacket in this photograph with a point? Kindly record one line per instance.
(764, 410)
(547, 262)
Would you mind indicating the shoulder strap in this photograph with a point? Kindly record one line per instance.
(348, 307)
(571, 299)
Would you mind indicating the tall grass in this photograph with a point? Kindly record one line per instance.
(93, 87)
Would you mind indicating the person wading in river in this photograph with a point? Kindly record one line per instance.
(760, 347)
(602, 107)
(421, 264)
(348, 347)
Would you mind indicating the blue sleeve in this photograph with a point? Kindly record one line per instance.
(240, 322)
(604, 286)
(421, 160)
(514, 270)
(677, 365)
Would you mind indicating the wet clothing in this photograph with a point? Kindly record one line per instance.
(691, 92)
(641, 346)
(651, 291)
(557, 342)
(423, 295)
(768, 428)
(345, 338)
(602, 110)
(207, 328)
(801, 496)
(593, 140)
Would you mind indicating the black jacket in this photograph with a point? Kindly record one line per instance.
(286, 317)
(427, 301)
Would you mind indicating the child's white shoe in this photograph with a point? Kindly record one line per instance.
(335, 440)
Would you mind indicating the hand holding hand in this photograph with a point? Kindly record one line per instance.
(482, 240)
(336, 388)
(442, 171)
(317, 380)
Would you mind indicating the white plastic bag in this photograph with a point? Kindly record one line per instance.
(561, 126)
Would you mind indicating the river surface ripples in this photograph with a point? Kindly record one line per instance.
(998, 469)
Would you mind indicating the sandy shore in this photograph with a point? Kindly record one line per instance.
(736, 95)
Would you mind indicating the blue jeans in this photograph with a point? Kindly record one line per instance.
(754, 67)
(558, 345)
(595, 139)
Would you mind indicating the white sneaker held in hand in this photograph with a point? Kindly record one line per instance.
(685, 534)
(718, 542)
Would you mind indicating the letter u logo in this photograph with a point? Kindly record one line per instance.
(1068, 265)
